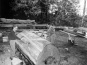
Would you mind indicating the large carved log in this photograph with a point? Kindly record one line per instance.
(31, 45)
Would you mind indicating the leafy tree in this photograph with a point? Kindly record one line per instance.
(57, 12)
(66, 14)
(33, 9)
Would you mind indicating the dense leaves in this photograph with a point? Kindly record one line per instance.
(66, 14)
(56, 12)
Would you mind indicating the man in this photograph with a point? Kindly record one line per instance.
(51, 36)
(12, 37)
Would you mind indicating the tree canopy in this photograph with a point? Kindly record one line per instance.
(66, 14)
(57, 12)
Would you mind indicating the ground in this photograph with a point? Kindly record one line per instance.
(76, 52)
(5, 54)
(4, 51)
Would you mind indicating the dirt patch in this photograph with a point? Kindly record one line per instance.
(5, 55)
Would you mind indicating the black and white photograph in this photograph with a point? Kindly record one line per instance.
(43, 32)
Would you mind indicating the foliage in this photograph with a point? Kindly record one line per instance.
(64, 13)
(28, 6)
(85, 21)
(33, 9)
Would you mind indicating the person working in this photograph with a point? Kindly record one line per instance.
(50, 32)
(12, 37)
(51, 35)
